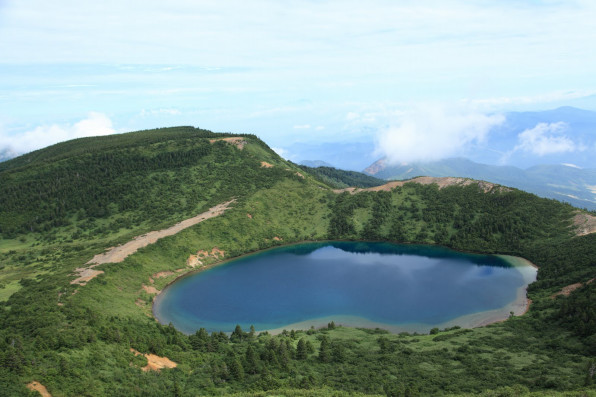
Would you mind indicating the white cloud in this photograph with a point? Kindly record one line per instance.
(94, 125)
(282, 152)
(571, 165)
(545, 138)
(302, 127)
(256, 60)
(433, 133)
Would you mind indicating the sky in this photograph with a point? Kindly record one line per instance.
(420, 79)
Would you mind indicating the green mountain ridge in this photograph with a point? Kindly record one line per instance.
(61, 206)
(562, 182)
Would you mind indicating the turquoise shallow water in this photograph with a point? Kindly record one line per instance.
(358, 283)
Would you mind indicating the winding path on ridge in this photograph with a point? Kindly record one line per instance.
(428, 180)
(119, 253)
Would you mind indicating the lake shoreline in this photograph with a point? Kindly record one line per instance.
(518, 307)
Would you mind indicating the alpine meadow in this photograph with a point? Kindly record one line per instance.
(93, 229)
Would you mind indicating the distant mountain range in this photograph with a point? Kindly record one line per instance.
(567, 183)
(562, 135)
(513, 154)
(570, 127)
(352, 156)
(315, 163)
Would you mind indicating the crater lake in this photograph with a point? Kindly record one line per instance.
(362, 284)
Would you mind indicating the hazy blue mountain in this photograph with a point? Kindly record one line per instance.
(562, 182)
(572, 124)
(315, 163)
(347, 155)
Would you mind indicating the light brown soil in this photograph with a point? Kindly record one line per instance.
(265, 164)
(237, 141)
(528, 303)
(428, 180)
(584, 223)
(162, 274)
(520, 309)
(197, 260)
(155, 363)
(277, 238)
(566, 291)
(150, 289)
(38, 387)
(300, 175)
(249, 216)
(193, 261)
(85, 274)
(118, 254)
(215, 253)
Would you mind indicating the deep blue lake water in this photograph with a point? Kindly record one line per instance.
(398, 287)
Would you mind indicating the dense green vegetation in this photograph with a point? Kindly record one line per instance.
(341, 179)
(459, 217)
(120, 179)
(64, 204)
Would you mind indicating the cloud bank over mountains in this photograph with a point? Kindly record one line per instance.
(434, 133)
(290, 72)
(268, 66)
(95, 124)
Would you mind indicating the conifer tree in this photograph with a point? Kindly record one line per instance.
(324, 350)
(301, 350)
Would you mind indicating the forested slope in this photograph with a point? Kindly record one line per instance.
(62, 205)
(340, 178)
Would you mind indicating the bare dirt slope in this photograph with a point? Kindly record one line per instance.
(584, 223)
(566, 291)
(239, 142)
(155, 363)
(427, 180)
(38, 387)
(118, 254)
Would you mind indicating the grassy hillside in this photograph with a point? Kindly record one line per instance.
(64, 204)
